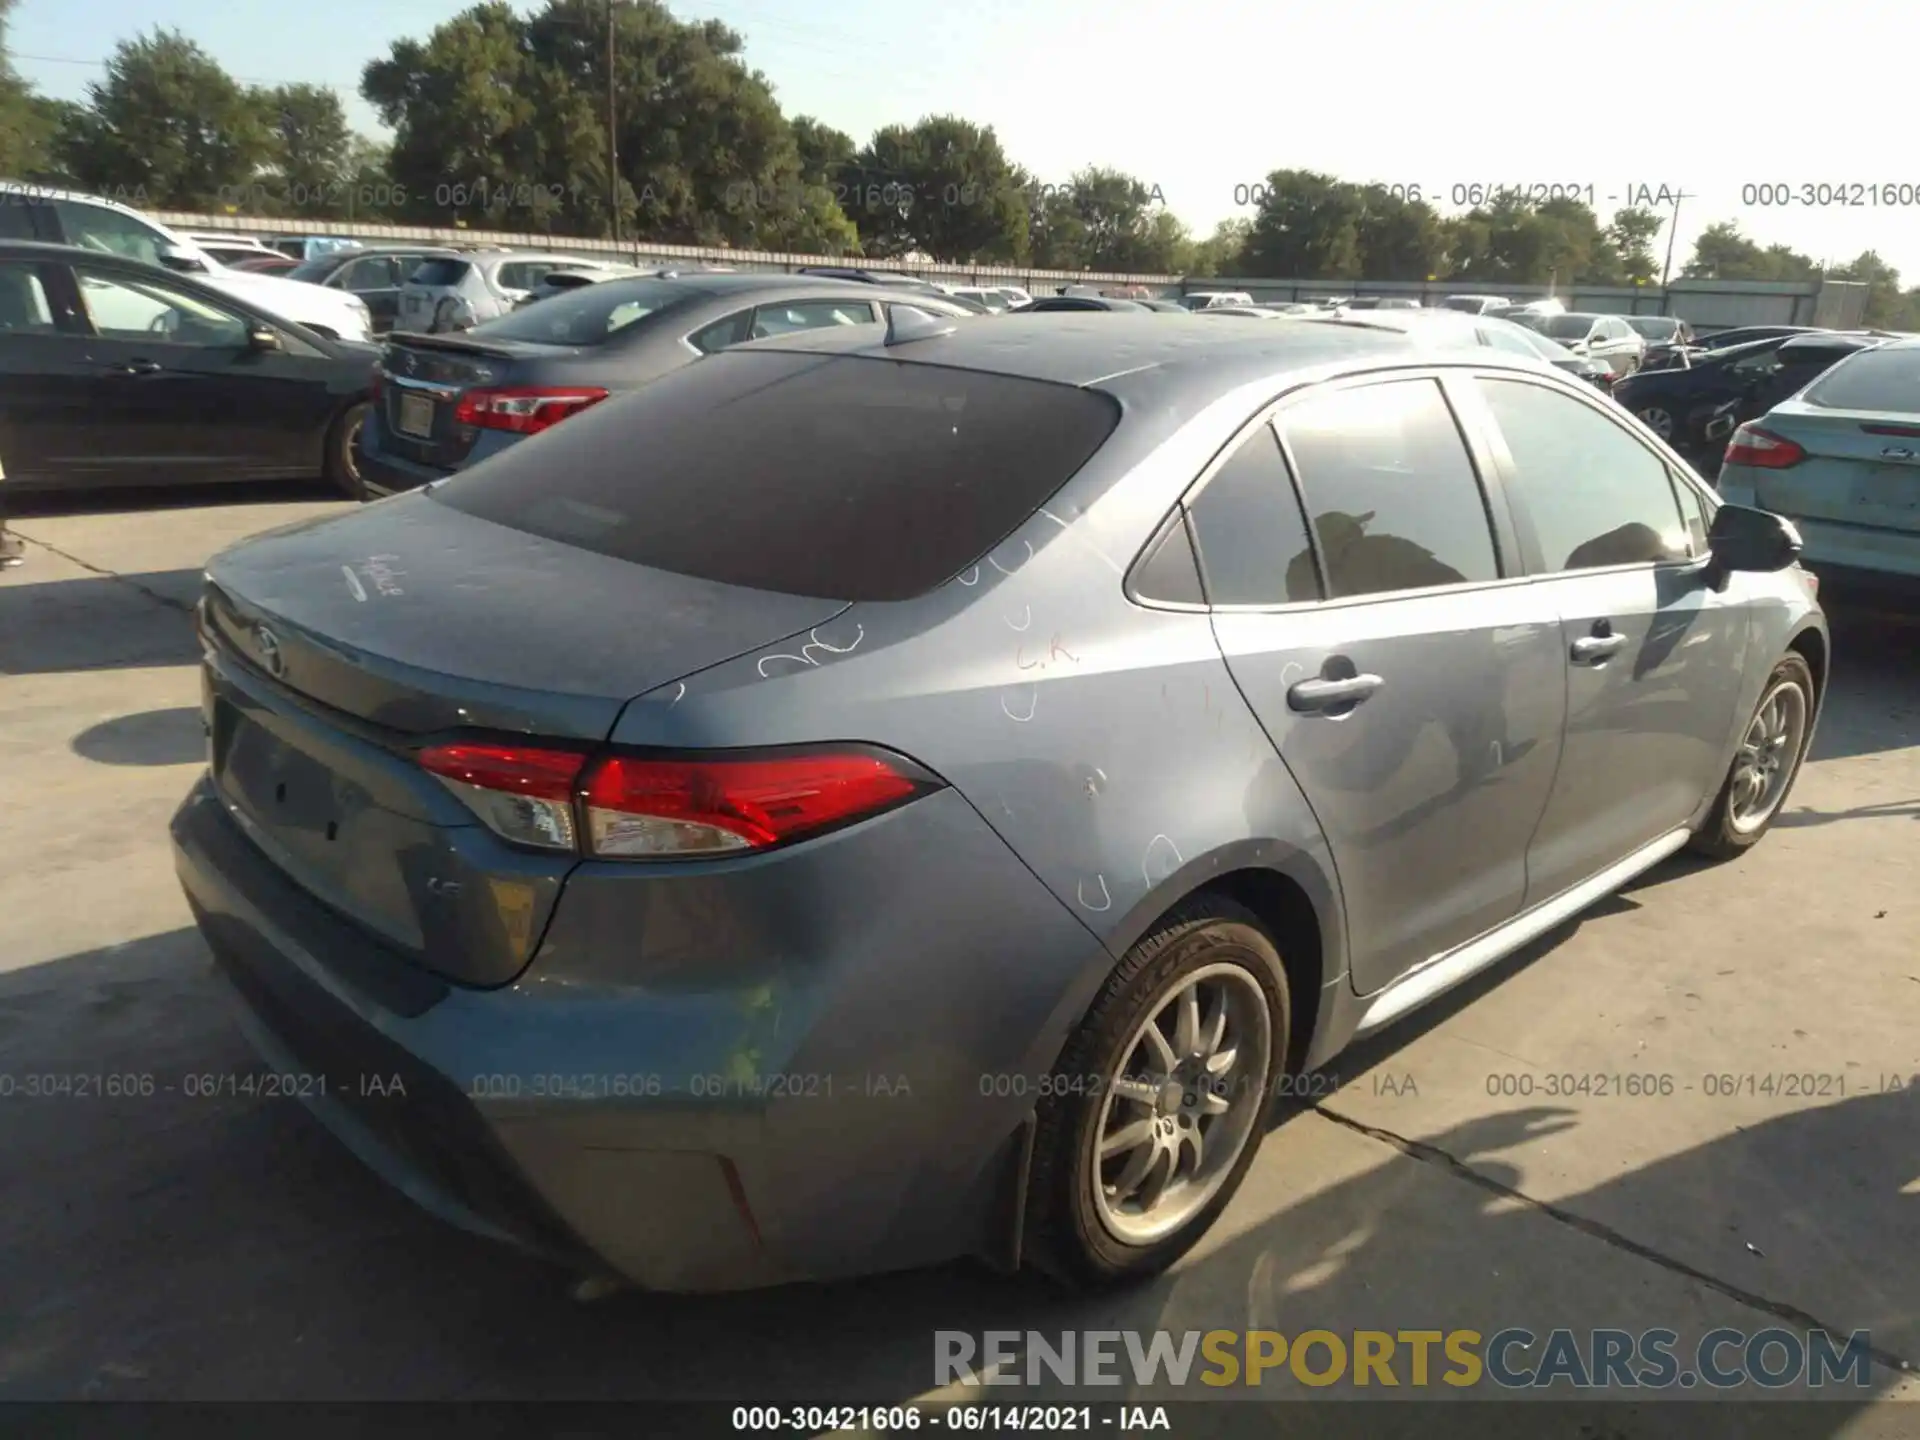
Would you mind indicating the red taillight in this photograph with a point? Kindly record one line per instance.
(524, 794)
(644, 807)
(1762, 449)
(1903, 432)
(526, 409)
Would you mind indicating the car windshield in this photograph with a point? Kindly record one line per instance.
(1654, 327)
(586, 314)
(1883, 381)
(1566, 327)
(844, 477)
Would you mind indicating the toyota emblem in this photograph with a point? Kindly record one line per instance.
(268, 644)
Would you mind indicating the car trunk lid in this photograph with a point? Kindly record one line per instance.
(1862, 467)
(423, 378)
(340, 647)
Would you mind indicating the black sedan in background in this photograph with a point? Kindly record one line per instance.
(1077, 302)
(117, 372)
(445, 402)
(1678, 405)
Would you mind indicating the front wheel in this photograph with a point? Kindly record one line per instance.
(1765, 766)
(1161, 1098)
(342, 462)
(1658, 419)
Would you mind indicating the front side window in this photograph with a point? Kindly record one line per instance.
(1395, 502)
(1593, 495)
(120, 307)
(94, 227)
(376, 272)
(1759, 365)
(1254, 548)
(788, 319)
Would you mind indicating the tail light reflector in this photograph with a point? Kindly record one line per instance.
(1761, 449)
(649, 807)
(526, 409)
(523, 794)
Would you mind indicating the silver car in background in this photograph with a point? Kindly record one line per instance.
(1842, 460)
(457, 292)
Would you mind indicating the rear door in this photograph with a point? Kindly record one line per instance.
(431, 281)
(1414, 690)
(376, 280)
(1652, 655)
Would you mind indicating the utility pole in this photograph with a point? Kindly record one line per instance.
(1673, 234)
(613, 149)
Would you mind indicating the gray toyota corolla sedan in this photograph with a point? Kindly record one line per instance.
(851, 804)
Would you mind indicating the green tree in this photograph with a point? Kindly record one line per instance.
(1221, 254)
(1631, 234)
(1514, 241)
(1306, 226)
(1888, 307)
(1106, 220)
(312, 149)
(942, 187)
(826, 154)
(168, 127)
(1400, 239)
(1723, 253)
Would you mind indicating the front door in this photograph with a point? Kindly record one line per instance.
(49, 426)
(1653, 657)
(1415, 693)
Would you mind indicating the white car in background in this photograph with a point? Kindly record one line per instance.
(65, 217)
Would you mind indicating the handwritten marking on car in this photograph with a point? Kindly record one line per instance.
(971, 577)
(816, 643)
(1026, 620)
(1056, 650)
(353, 583)
(1016, 569)
(1033, 702)
(765, 660)
(1106, 896)
(1146, 861)
(1085, 544)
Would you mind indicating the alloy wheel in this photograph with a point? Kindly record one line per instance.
(1768, 756)
(1659, 421)
(1189, 1091)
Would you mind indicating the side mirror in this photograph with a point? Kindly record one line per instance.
(176, 257)
(1758, 541)
(263, 338)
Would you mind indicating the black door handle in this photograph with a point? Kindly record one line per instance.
(1313, 695)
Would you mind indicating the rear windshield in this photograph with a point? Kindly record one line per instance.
(842, 477)
(439, 272)
(1872, 380)
(588, 313)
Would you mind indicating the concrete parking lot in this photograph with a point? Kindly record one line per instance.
(178, 1247)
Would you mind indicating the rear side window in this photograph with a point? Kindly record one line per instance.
(1872, 380)
(439, 272)
(842, 477)
(1592, 494)
(24, 308)
(1394, 498)
(1253, 538)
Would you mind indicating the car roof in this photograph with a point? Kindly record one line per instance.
(1172, 357)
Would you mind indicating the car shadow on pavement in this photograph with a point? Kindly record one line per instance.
(152, 737)
(133, 498)
(98, 622)
(204, 1242)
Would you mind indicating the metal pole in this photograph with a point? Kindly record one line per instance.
(613, 153)
(1673, 234)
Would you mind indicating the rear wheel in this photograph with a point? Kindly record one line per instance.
(1765, 765)
(343, 451)
(1159, 1103)
(1658, 419)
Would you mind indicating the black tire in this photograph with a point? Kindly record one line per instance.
(1719, 837)
(1065, 1235)
(342, 460)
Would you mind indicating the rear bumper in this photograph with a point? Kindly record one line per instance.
(685, 1121)
(388, 473)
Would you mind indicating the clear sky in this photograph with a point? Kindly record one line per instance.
(1204, 96)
